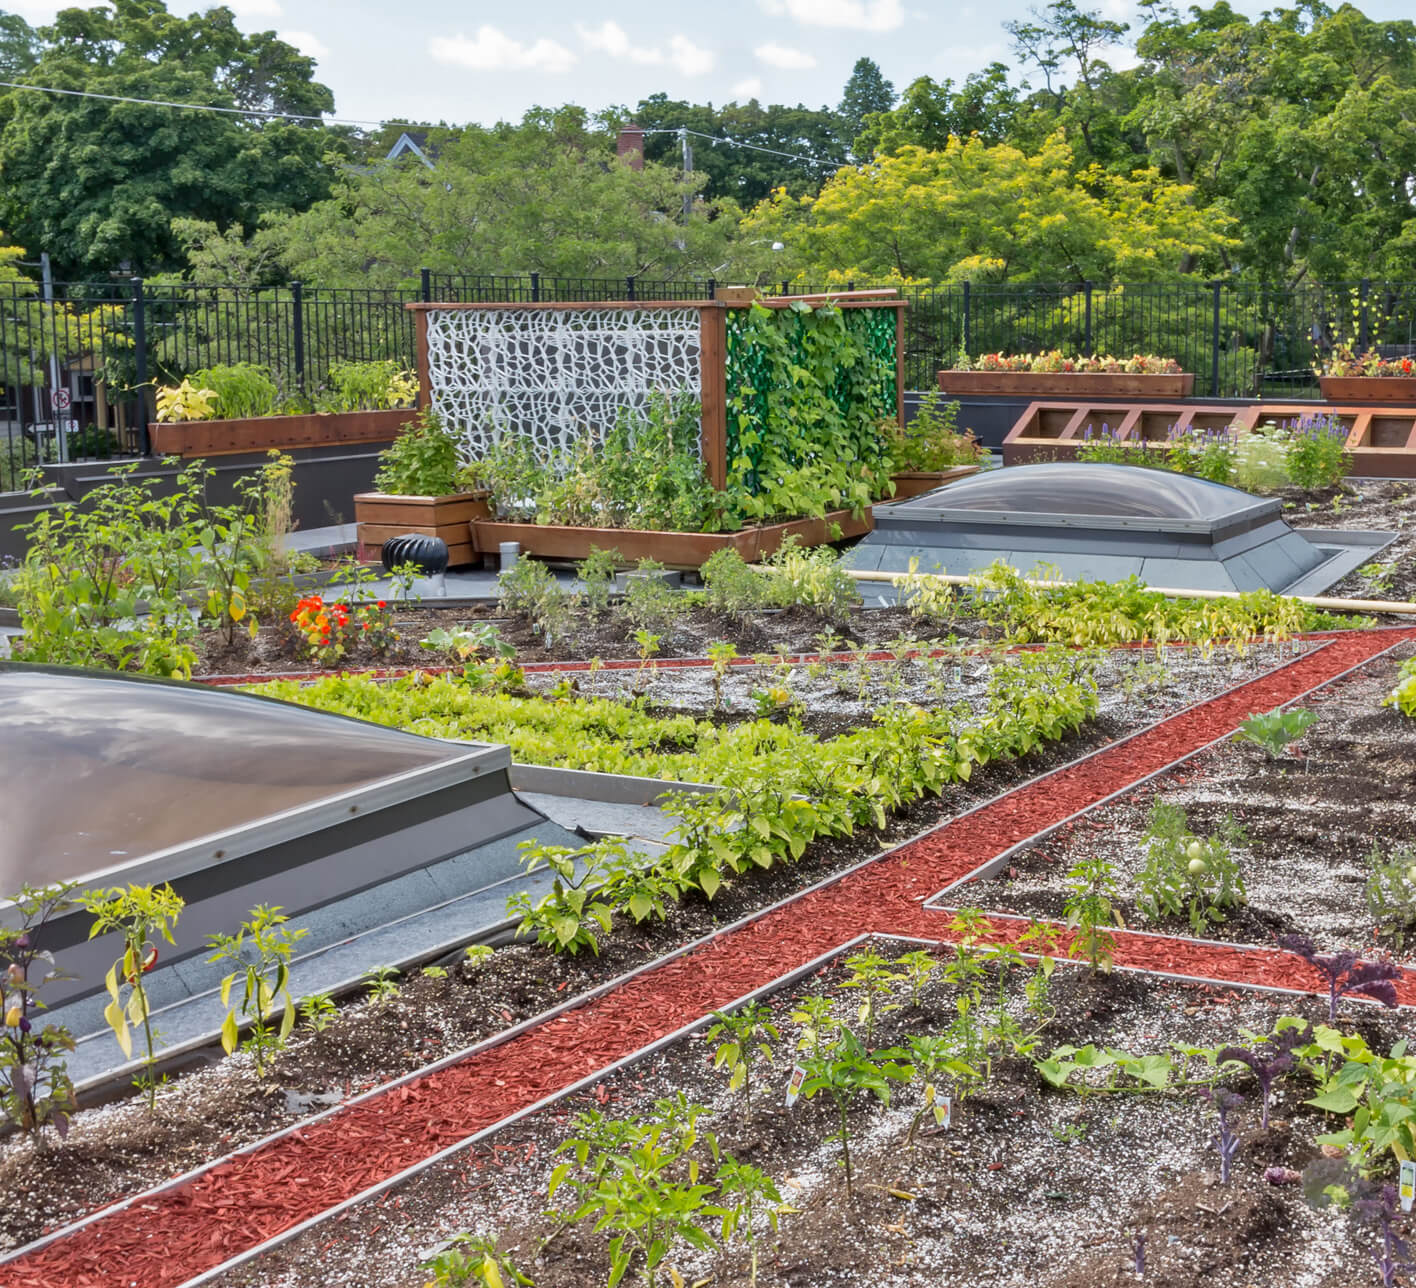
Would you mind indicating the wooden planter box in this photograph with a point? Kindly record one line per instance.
(1362, 389)
(676, 549)
(193, 438)
(1067, 384)
(381, 515)
(910, 483)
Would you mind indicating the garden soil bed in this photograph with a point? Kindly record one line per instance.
(1311, 818)
(1029, 1187)
(408, 1125)
(118, 1149)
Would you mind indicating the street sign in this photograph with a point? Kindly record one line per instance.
(61, 399)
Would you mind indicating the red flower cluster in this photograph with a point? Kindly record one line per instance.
(324, 627)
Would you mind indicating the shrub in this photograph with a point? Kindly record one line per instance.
(1189, 875)
(1261, 464)
(1317, 452)
(421, 461)
(930, 441)
(242, 389)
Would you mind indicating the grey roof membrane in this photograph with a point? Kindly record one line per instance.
(383, 847)
(1106, 523)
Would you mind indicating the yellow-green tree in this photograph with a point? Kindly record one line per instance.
(971, 211)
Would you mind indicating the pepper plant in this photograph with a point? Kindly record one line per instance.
(35, 1088)
(137, 914)
(266, 982)
(846, 1070)
(746, 1039)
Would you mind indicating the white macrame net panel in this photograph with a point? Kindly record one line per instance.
(552, 374)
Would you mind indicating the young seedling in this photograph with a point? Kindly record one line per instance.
(1270, 1063)
(267, 982)
(872, 974)
(1225, 1140)
(918, 968)
(1392, 1254)
(745, 1193)
(473, 1260)
(819, 1025)
(844, 1072)
(381, 984)
(1091, 886)
(932, 1055)
(721, 654)
(35, 1088)
(1346, 974)
(318, 1012)
(746, 1038)
(1275, 731)
(648, 648)
(137, 914)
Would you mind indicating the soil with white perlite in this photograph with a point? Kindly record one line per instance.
(1028, 1187)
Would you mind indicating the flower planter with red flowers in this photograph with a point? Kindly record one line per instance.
(1362, 389)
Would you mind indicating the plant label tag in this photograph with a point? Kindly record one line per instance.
(794, 1086)
(958, 675)
(943, 1107)
(1408, 1185)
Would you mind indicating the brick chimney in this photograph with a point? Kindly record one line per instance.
(629, 147)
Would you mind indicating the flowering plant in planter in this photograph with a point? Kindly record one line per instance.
(1054, 360)
(1345, 361)
(327, 630)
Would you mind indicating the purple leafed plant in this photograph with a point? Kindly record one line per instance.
(1271, 1061)
(1393, 1254)
(1226, 1140)
(1346, 973)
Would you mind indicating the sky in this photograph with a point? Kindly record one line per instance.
(441, 60)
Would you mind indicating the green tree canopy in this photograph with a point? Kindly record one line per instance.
(812, 139)
(866, 92)
(546, 196)
(96, 183)
(929, 112)
(975, 212)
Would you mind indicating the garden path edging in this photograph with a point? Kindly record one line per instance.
(188, 1231)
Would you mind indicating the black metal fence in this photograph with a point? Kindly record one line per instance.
(78, 369)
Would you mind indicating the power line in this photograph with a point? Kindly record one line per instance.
(330, 120)
(191, 107)
(756, 147)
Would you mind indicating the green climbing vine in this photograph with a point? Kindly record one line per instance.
(807, 389)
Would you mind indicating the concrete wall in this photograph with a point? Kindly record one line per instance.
(326, 479)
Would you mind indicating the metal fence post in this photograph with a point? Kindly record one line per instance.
(1214, 342)
(629, 287)
(964, 343)
(140, 345)
(425, 285)
(712, 289)
(535, 288)
(1087, 349)
(297, 338)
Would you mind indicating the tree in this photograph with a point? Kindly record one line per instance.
(96, 183)
(19, 46)
(974, 212)
(805, 145)
(1299, 123)
(929, 112)
(545, 196)
(866, 92)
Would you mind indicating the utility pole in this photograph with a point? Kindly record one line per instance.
(686, 148)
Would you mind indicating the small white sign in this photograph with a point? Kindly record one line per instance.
(794, 1086)
(1408, 1185)
(61, 399)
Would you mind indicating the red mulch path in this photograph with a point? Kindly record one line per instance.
(167, 1239)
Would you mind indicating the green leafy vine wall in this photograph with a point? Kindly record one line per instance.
(807, 388)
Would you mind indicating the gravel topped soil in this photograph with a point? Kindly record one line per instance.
(1028, 1187)
(1311, 820)
(1378, 504)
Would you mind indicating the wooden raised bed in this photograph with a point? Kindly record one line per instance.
(1362, 389)
(1382, 441)
(1067, 384)
(381, 515)
(910, 483)
(674, 549)
(192, 438)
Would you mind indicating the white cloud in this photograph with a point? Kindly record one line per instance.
(858, 15)
(747, 89)
(683, 55)
(493, 50)
(689, 59)
(306, 42)
(610, 38)
(784, 57)
(254, 8)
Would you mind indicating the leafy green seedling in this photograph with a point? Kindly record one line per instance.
(1275, 731)
(746, 1039)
